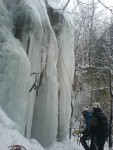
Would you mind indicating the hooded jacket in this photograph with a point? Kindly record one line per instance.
(99, 124)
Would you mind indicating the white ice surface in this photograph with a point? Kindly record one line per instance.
(28, 44)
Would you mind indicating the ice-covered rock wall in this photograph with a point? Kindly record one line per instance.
(65, 78)
(45, 122)
(14, 69)
(28, 44)
(64, 31)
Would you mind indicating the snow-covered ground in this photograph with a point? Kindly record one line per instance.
(66, 145)
(69, 145)
(9, 136)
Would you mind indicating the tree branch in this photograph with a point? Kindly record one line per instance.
(106, 6)
(66, 5)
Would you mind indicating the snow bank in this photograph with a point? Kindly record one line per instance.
(10, 136)
(65, 145)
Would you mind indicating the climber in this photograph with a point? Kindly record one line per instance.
(98, 126)
(87, 116)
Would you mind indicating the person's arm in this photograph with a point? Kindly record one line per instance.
(93, 125)
(88, 121)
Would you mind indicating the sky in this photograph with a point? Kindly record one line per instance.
(105, 14)
(108, 3)
(72, 4)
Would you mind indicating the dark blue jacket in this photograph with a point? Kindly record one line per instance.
(88, 119)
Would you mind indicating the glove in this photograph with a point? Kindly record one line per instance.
(76, 132)
(84, 131)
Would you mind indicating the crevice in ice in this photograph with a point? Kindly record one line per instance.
(41, 77)
(46, 64)
(22, 20)
(55, 20)
(19, 28)
(58, 115)
(28, 45)
(25, 133)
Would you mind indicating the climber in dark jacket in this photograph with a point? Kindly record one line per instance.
(98, 126)
(87, 116)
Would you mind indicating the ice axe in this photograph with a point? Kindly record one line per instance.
(35, 84)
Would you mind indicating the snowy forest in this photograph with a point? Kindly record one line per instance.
(56, 56)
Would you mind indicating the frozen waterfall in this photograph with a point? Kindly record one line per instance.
(28, 44)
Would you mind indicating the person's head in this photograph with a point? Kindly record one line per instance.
(96, 106)
(84, 111)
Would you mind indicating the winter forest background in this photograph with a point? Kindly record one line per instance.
(55, 57)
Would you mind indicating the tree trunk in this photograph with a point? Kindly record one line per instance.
(70, 129)
(111, 116)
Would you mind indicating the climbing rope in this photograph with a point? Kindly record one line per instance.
(17, 147)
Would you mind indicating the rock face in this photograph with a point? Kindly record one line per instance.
(93, 85)
(31, 43)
